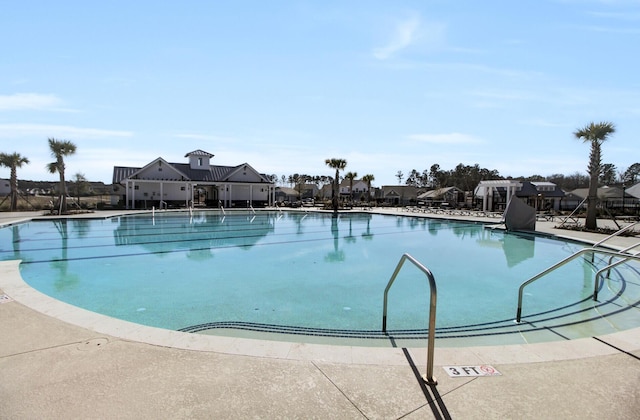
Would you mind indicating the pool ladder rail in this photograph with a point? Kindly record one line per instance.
(624, 256)
(428, 378)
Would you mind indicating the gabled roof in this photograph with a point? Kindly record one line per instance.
(634, 190)
(242, 167)
(215, 173)
(170, 177)
(346, 182)
(187, 172)
(286, 191)
(398, 190)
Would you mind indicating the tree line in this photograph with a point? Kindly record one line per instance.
(464, 177)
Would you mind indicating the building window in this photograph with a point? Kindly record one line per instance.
(181, 188)
(199, 161)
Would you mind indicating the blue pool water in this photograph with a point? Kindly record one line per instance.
(177, 270)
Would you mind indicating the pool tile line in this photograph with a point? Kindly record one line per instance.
(13, 285)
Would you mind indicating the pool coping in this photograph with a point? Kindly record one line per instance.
(14, 286)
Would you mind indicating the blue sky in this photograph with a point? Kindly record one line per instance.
(283, 85)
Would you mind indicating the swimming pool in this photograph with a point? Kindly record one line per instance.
(310, 275)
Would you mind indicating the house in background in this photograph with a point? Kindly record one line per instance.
(196, 183)
(398, 195)
(544, 196)
(286, 195)
(633, 191)
(495, 194)
(608, 197)
(360, 189)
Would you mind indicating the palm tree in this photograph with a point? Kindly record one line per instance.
(338, 165)
(60, 149)
(351, 176)
(13, 161)
(595, 134)
(368, 178)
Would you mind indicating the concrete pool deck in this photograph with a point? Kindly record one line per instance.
(58, 361)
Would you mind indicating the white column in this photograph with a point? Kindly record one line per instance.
(126, 194)
(133, 194)
(186, 194)
(485, 198)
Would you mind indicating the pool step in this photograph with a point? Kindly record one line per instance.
(618, 308)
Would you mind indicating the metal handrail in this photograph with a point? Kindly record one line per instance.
(613, 235)
(611, 265)
(428, 378)
(627, 249)
(557, 265)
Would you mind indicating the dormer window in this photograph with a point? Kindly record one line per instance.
(199, 161)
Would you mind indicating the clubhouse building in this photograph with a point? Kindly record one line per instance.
(162, 184)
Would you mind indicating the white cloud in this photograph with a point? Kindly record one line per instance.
(451, 138)
(20, 101)
(404, 35)
(64, 131)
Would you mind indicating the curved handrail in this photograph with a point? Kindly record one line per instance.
(563, 262)
(611, 265)
(428, 378)
(627, 249)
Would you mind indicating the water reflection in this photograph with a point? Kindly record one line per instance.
(199, 234)
(15, 233)
(64, 280)
(516, 248)
(337, 254)
(350, 238)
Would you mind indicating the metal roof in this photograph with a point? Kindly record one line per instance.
(199, 153)
(122, 172)
(215, 173)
